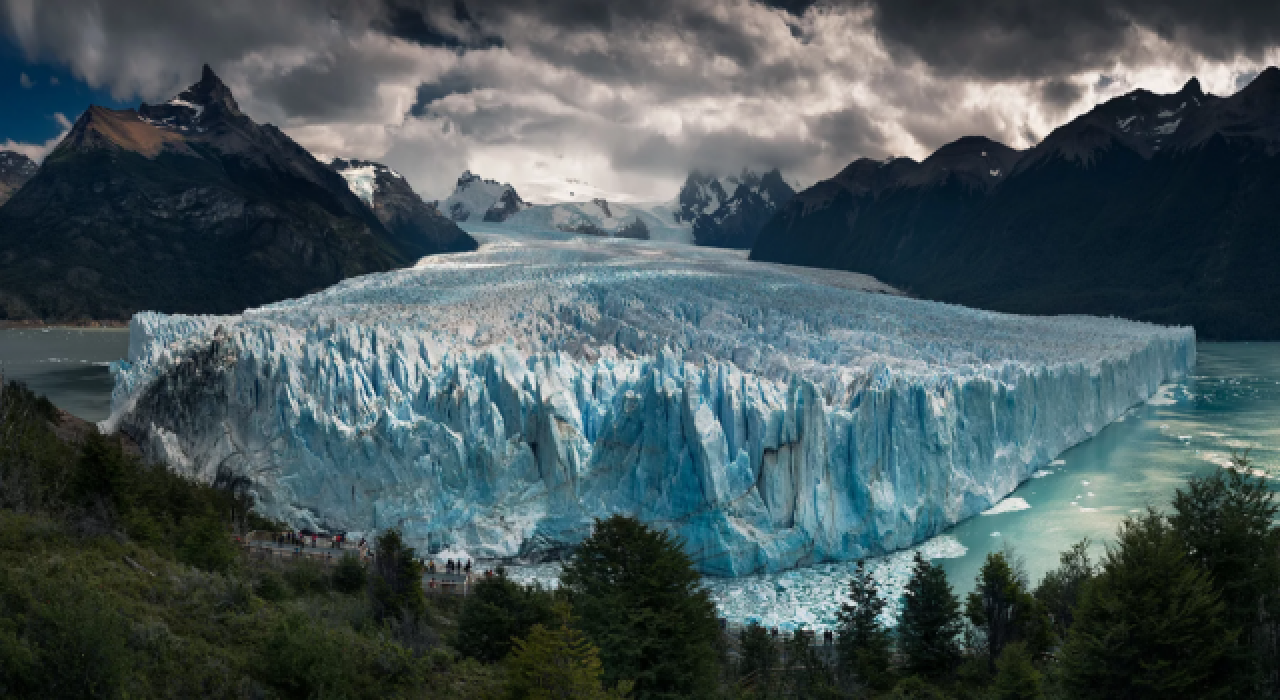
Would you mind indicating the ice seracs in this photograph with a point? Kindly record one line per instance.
(498, 401)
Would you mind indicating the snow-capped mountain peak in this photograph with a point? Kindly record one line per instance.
(187, 111)
(477, 199)
(730, 211)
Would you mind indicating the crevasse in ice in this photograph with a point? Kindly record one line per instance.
(499, 400)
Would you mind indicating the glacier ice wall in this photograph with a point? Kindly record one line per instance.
(499, 400)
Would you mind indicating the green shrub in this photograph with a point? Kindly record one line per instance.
(59, 639)
(206, 544)
(271, 587)
(350, 575)
(306, 577)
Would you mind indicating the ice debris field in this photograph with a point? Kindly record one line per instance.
(497, 401)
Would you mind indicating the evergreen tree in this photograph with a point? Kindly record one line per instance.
(1226, 523)
(863, 641)
(930, 622)
(1016, 675)
(1004, 611)
(642, 603)
(497, 612)
(758, 659)
(807, 675)
(1150, 625)
(396, 584)
(557, 662)
(1059, 590)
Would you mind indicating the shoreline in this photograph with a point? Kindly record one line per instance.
(64, 325)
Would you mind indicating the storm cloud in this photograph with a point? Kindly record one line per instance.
(630, 96)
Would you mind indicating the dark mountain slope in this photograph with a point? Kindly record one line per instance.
(188, 207)
(401, 210)
(1154, 207)
(15, 170)
(729, 213)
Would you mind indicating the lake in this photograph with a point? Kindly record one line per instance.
(1230, 402)
(67, 365)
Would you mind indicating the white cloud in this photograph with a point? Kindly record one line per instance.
(629, 105)
(37, 151)
(24, 81)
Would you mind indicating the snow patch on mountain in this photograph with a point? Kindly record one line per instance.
(362, 180)
(498, 401)
(657, 220)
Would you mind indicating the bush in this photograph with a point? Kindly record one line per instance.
(350, 575)
(306, 577)
(59, 640)
(271, 587)
(1016, 677)
(207, 545)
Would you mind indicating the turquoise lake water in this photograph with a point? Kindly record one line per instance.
(1231, 401)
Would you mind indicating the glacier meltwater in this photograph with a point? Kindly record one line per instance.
(498, 401)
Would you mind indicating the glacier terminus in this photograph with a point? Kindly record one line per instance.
(498, 401)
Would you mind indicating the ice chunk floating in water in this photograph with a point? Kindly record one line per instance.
(1009, 505)
(497, 401)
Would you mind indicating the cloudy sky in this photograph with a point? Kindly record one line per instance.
(627, 96)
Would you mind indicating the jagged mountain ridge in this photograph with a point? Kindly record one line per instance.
(729, 212)
(188, 206)
(709, 210)
(15, 170)
(399, 208)
(1154, 207)
(477, 199)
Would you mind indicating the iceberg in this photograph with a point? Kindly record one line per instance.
(496, 402)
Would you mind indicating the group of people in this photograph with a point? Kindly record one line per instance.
(451, 567)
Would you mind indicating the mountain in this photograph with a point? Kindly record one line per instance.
(15, 170)
(400, 209)
(729, 212)
(476, 199)
(600, 217)
(187, 206)
(1153, 207)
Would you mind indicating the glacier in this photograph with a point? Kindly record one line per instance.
(498, 401)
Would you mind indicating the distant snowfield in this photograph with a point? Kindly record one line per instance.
(497, 401)
(658, 219)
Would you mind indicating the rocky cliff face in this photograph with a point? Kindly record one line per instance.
(729, 212)
(407, 217)
(15, 170)
(1153, 207)
(189, 206)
